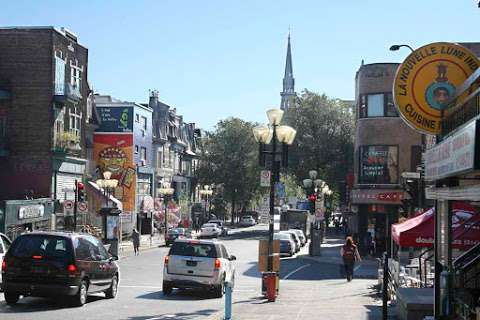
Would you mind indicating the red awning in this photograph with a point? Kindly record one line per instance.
(419, 231)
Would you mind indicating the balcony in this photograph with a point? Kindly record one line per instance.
(70, 93)
(66, 143)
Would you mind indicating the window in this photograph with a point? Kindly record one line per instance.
(143, 153)
(136, 149)
(144, 123)
(159, 159)
(75, 123)
(378, 164)
(137, 117)
(415, 157)
(59, 74)
(377, 105)
(3, 126)
(76, 74)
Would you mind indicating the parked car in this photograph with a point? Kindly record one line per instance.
(177, 233)
(295, 239)
(221, 225)
(52, 264)
(287, 246)
(300, 235)
(210, 230)
(4, 245)
(202, 264)
(247, 221)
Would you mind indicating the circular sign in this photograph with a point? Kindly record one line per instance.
(426, 81)
(82, 206)
(68, 204)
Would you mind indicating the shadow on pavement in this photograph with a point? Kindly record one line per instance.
(34, 304)
(179, 295)
(247, 235)
(178, 316)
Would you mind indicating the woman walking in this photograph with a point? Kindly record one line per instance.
(136, 241)
(349, 253)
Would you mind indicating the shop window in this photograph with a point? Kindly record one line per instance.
(378, 164)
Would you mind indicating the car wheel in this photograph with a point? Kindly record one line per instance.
(11, 298)
(81, 297)
(220, 289)
(167, 288)
(111, 292)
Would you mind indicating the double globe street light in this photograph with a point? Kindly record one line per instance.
(108, 185)
(206, 192)
(264, 134)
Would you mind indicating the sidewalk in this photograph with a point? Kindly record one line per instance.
(330, 298)
(146, 242)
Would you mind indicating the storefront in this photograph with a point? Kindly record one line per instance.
(376, 210)
(18, 216)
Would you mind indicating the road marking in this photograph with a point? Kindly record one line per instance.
(357, 267)
(296, 270)
(144, 287)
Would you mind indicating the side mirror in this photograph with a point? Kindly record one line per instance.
(232, 258)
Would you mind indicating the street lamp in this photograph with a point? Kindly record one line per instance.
(274, 132)
(166, 191)
(108, 185)
(206, 192)
(396, 47)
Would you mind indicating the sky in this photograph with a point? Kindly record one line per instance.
(213, 59)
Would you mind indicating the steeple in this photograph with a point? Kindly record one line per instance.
(288, 94)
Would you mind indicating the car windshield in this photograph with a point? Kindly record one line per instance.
(192, 249)
(176, 231)
(45, 246)
(247, 218)
(209, 225)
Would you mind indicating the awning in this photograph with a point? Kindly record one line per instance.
(419, 231)
(98, 192)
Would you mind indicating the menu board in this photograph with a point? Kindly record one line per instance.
(378, 164)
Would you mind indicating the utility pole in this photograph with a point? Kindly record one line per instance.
(75, 207)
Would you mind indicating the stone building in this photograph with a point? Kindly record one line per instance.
(385, 147)
(43, 113)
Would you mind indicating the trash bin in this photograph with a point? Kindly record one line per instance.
(270, 278)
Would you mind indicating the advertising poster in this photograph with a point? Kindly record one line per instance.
(114, 153)
(379, 164)
(112, 227)
(115, 119)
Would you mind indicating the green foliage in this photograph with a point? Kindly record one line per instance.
(229, 160)
(324, 141)
(292, 187)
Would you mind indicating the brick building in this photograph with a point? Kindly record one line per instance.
(43, 112)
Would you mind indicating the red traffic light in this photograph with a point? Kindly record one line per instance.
(80, 186)
(312, 197)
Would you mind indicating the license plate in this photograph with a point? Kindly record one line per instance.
(192, 263)
(36, 269)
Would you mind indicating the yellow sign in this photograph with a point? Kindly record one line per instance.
(427, 80)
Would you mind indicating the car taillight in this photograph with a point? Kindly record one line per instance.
(165, 260)
(37, 257)
(4, 266)
(218, 263)
(71, 268)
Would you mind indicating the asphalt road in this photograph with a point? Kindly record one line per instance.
(140, 295)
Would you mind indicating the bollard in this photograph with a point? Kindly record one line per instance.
(228, 300)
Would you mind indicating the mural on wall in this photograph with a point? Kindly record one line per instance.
(114, 153)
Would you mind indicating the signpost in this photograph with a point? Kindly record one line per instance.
(68, 207)
(265, 178)
(82, 207)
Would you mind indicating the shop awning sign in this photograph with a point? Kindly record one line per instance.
(426, 81)
(30, 212)
(452, 156)
(377, 196)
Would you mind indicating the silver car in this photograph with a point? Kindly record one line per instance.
(202, 264)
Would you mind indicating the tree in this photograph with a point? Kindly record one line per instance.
(324, 141)
(229, 160)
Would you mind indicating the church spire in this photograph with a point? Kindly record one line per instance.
(288, 94)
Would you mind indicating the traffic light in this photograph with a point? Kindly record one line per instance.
(311, 201)
(81, 197)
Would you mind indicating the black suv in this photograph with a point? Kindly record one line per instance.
(45, 264)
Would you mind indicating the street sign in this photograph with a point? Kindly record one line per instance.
(265, 176)
(68, 207)
(280, 190)
(411, 175)
(82, 207)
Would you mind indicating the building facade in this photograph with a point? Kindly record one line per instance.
(385, 147)
(123, 146)
(43, 116)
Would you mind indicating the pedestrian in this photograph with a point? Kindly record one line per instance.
(349, 253)
(136, 241)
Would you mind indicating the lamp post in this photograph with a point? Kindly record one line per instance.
(166, 191)
(206, 192)
(108, 185)
(396, 47)
(264, 135)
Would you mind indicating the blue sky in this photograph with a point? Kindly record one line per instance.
(218, 58)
